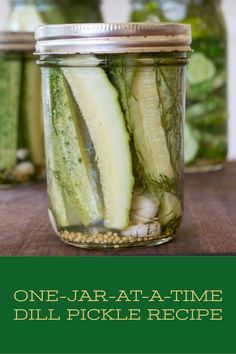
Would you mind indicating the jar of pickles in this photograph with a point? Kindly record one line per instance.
(206, 116)
(114, 103)
(79, 11)
(21, 126)
(27, 14)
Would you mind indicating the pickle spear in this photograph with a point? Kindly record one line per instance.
(148, 133)
(97, 100)
(72, 167)
(31, 111)
(10, 72)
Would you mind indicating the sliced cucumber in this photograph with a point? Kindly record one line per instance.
(56, 200)
(148, 133)
(198, 110)
(121, 73)
(129, 76)
(57, 211)
(214, 121)
(79, 60)
(32, 112)
(72, 167)
(191, 144)
(97, 100)
(200, 69)
(213, 146)
(24, 18)
(10, 83)
(117, 76)
(170, 87)
(201, 91)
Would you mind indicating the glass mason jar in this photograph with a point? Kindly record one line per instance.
(27, 14)
(114, 103)
(79, 11)
(206, 115)
(21, 126)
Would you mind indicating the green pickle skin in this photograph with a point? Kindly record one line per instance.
(146, 110)
(206, 116)
(21, 130)
(69, 167)
(10, 82)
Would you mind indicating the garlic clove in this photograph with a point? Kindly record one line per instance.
(139, 220)
(144, 208)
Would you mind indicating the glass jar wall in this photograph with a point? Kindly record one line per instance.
(79, 11)
(114, 154)
(21, 84)
(21, 125)
(206, 116)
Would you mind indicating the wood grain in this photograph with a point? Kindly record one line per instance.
(208, 228)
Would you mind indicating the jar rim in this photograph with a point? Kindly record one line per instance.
(11, 41)
(100, 38)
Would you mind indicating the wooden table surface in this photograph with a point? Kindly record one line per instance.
(208, 228)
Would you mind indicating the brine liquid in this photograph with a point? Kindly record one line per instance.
(114, 146)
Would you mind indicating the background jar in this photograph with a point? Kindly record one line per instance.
(114, 102)
(21, 129)
(206, 117)
(27, 14)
